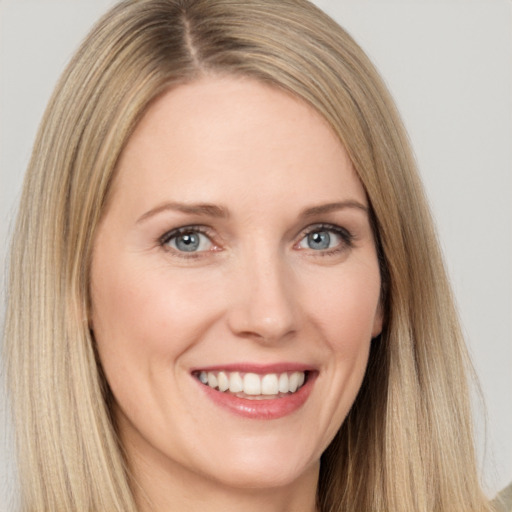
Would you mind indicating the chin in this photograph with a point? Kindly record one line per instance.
(264, 474)
(263, 463)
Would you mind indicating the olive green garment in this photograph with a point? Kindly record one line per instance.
(503, 501)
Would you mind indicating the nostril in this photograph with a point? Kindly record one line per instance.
(262, 306)
(261, 327)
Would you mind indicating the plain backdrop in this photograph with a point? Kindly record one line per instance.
(448, 65)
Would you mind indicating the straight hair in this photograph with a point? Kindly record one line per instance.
(407, 442)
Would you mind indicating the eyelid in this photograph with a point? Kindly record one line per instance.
(346, 236)
(164, 240)
(344, 233)
(204, 230)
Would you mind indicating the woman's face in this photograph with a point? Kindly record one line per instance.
(236, 253)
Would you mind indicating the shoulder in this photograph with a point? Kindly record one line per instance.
(503, 501)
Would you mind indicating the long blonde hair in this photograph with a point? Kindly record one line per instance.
(406, 443)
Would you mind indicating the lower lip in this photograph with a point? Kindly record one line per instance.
(264, 409)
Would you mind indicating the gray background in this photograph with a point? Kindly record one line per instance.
(449, 66)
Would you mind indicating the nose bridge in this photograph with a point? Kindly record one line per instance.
(264, 304)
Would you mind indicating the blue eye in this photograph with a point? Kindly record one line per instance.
(187, 240)
(325, 238)
(319, 240)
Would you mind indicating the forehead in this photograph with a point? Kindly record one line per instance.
(220, 134)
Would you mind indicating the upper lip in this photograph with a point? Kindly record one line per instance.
(261, 369)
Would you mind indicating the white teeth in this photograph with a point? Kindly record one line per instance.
(269, 384)
(283, 383)
(212, 380)
(236, 384)
(294, 381)
(253, 384)
(223, 381)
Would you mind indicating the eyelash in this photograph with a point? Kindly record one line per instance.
(346, 237)
(185, 230)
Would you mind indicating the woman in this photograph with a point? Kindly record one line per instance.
(226, 192)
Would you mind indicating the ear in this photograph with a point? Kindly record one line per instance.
(378, 321)
(89, 314)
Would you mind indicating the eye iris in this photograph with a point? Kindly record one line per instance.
(319, 240)
(187, 242)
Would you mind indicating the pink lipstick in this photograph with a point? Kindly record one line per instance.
(257, 391)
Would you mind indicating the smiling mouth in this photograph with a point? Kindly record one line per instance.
(253, 386)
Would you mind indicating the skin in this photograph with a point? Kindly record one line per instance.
(254, 292)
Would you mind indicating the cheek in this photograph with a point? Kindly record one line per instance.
(143, 321)
(343, 313)
(347, 310)
(145, 317)
(147, 312)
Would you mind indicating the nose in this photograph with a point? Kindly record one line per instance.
(263, 305)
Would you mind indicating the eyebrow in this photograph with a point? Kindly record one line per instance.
(203, 209)
(333, 207)
(212, 210)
